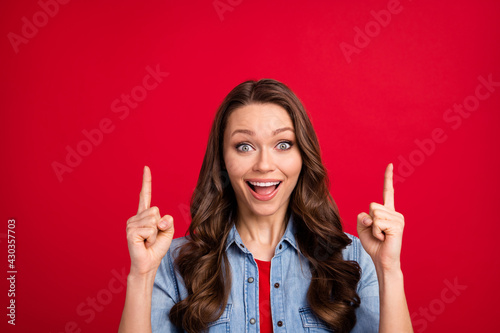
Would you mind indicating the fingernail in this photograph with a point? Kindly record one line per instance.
(366, 221)
(163, 224)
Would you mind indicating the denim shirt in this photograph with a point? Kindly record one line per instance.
(290, 279)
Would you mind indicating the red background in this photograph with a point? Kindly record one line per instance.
(70, 232)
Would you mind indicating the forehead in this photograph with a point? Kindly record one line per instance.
(259, 117)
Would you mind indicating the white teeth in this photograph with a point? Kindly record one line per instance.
(264, 184)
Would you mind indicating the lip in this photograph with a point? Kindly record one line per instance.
(261, 197)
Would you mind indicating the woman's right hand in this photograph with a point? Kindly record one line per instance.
(148, 234)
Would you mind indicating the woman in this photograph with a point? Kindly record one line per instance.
(265, 248)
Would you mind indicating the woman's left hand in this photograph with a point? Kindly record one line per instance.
(381, 231)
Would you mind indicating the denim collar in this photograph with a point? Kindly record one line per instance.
(287, 238)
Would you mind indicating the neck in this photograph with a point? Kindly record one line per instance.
(261, 234)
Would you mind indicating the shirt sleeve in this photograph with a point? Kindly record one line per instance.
(368, 313)
(165, 295)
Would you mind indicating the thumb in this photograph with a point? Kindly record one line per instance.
(367, 229)
(165, 234)
(364, 226)
(364, 222)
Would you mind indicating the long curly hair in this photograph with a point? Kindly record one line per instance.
(202, 261)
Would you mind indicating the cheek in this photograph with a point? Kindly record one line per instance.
(292, 166)
(235, 168)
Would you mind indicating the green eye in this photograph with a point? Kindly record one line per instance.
(284, 145)
(243, 147)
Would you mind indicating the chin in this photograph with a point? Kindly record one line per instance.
(264, 209)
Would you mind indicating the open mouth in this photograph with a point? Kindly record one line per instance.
(263, 188)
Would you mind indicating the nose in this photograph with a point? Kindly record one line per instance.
(264, 161)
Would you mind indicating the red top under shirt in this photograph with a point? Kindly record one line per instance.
(266, 321)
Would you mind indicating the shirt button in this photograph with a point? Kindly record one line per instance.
(252, 321)
(280, 323)
(242, 245)
(281, 246)
(250, 280)
(276, 285)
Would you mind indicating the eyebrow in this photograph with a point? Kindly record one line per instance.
(252, 133)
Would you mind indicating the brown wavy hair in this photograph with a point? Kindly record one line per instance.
(202, 261)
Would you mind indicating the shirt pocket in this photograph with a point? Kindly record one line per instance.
(311, 323)
(223, 323)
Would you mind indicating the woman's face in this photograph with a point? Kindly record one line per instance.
(262, 158)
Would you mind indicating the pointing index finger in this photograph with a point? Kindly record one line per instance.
(389, 187)
(145, 196)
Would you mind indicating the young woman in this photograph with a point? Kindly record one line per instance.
(265, 251)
